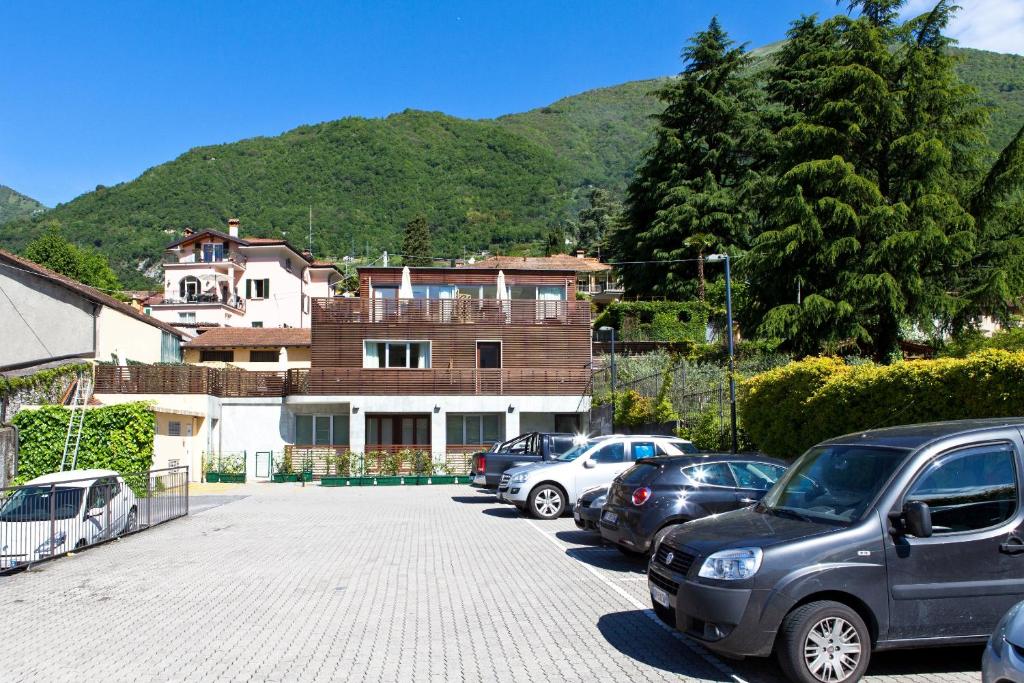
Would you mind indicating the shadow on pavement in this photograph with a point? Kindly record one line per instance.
(926, 661)
(635, 635)
(581, 537)
(200, 504)
(506, 512)
(610, 559)
(471, 500)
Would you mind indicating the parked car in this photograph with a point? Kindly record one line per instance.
(488, 467)
(587, 511)
(660, 493)
(546, 489)
(891, 538)
(58, 512)
(1003, 661)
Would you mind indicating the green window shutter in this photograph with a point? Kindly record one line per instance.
(248, 289)
(266, 288)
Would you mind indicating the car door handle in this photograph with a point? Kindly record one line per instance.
(1013, 546)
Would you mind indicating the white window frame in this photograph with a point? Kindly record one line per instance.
(187, 317)
(476, 441)
(387, 359)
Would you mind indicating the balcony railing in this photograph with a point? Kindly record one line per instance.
(173, 258)
(456, 311)
(235, 302)
(236, 383)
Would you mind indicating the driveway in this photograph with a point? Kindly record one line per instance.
(385, 584)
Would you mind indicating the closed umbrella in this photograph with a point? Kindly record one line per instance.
(503, 295)
(405, 289)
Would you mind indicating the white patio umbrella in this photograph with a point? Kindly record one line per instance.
(405, 289)
(503, 295)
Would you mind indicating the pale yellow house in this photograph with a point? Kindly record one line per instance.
(251, 348)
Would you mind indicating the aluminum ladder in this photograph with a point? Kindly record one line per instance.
(79, 400)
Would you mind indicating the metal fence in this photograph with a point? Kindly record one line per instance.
(64, 512)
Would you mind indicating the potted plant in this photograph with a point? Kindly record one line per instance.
(209, 471)
(390, 466)
(307, 468)
(371, 467)
(423, 467)
(284, 469)
(342, 464)
(231, 470)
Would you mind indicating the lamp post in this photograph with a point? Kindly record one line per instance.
(611, 330)
(715, 258)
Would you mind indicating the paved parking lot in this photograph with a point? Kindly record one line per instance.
(389, 584)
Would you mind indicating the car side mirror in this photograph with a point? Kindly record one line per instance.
(918, 518)
(589, 464)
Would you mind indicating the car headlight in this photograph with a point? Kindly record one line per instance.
(519, 478)
(46, 546)
(732, 565)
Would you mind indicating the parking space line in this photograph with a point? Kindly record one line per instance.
(648, 612)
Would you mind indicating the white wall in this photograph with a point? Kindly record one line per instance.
(210, 314)
(41, 321)
(536, 422)
(128, 337)
(284, 306)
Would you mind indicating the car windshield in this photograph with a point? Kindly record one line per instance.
(32, 504)
(832, 483)
(577, 450)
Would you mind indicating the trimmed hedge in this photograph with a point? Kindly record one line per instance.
(118, 437)
(789, 409)
(674, 321)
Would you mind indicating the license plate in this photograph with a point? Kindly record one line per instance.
(610, 517)
(660, 596)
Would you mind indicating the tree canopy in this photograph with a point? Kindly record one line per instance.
(88, 266)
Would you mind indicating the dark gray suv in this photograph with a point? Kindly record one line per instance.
(892, 538)
(658, 493)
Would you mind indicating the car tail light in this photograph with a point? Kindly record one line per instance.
(641, 495)
(481, 464)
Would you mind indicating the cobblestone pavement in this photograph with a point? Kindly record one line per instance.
(387, 584)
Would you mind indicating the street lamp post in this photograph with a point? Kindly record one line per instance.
(611, 330)
(714, 258)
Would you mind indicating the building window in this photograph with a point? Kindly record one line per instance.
(264, 356)
(170, 348)
(188, 318)
(257, 289)
(321, 430)
(397, 430)
(173, 429)
(257, 323)
(147, 310)
(188, 288)
(475, 429)
(213, 252)
(208, 355)
(396, 354)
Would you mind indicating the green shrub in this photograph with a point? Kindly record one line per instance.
(285, 465)
(421, 463)
(391, 463)
(790, 409)
(343, 464)
(676, 321)
(118, 437)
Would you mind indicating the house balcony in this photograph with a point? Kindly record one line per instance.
(234, 302)
(236, 383)
(461, 311)
(223, 263)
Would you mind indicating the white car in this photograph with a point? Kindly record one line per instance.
(63, 511)
(546, 489)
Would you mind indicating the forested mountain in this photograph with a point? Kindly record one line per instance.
(13, 204)
(500, 184)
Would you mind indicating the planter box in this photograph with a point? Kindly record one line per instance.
(212, 477)
(280, 477)
(340, 481)
(231, 478)
(401, 480)
(307, 476)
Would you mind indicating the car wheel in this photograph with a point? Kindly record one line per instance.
(132, 521)
(547, 502)
(823, 642)
(81, 544)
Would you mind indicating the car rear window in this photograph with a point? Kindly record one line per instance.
(640, 474)
(561, 444)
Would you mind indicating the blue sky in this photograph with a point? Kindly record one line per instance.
(95, 93)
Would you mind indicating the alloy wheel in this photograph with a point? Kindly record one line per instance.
(832, 650)
(547, 503)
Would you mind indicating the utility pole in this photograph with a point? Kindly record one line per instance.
(714, 258)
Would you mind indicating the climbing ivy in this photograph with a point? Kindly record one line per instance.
(44, 379)
(118, 437)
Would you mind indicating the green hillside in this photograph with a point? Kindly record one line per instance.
(495, 184)
(13, 204)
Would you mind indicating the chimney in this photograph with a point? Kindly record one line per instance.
(580, 253)
(188, 232)
(233, 227)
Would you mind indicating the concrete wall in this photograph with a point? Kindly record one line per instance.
(40, 321)
(8, 454)
(284, 306)
(127, 337)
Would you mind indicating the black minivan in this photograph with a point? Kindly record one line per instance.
(657, 493)
(891, 538)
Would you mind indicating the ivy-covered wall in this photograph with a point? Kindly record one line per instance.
(118, 437)
(674, 321)
(45, 386)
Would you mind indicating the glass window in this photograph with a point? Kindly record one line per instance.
(562, 444)
(321, 430)
(613, 452)
(473, 429)
(397, 354)
(684, 446)
(492, 428)
(186, 317)
(640, 474)
(970, 489)
(756, 475)
(710, 474)
(264, 356)
(833, 483)
(304, 429)
(207, 355)
(32, 503)
(173, 429)
(453, 429)
(551, 293)
(339, 430)
(643, 449)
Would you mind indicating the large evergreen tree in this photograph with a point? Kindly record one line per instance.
(416, 247)
(700, 174)
(878, 145)
(596, 222)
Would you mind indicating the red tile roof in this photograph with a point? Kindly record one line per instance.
(556, 262)
(90, 293)
(252, 337)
